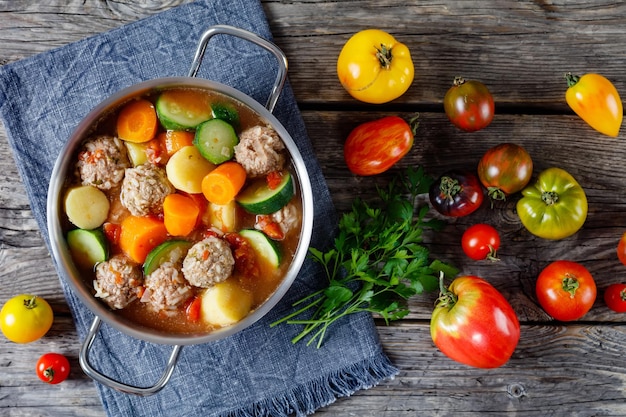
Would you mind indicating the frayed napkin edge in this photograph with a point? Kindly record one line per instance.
(307, 398)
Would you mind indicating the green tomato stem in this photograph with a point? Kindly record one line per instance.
(446, 297)
(414, 123)
(549, 197)
(570, 285)
(449, 187)
(384, 56)
(30, 303)
(492, 255)
(458, 80)
(496, 194)
(571, 79)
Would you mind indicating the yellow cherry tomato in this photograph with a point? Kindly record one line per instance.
(375, 68)
(596, 100)
(25, 318)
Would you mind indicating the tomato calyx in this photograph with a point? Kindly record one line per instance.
(549, 197)
(458, 81)
(570, 284)
(449, 187)
(446, 297)
(384, 56)
(492, 255)
(48, 374)
(571, 79)
(414, 123)
(31, 302)
(495, 193)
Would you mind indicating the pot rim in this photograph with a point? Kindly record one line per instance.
(60, 250)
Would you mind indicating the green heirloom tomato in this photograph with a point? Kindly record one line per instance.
(554, 207)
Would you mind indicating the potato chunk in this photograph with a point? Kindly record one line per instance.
(86, 207)
(186, 169)
(225, 303)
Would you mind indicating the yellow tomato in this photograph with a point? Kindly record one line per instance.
(375, 68)
(595, 100)
(25, 318)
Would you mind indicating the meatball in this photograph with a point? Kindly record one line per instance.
(117, 281)
(208, 262)
(144, 188)
(166, 288)
(102, 161)
(260, 151)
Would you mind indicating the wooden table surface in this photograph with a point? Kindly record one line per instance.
(521, 50)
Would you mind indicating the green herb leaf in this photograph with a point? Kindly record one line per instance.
(378, 260)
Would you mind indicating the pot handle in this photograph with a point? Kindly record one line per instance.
(119, 386)
(257, 40)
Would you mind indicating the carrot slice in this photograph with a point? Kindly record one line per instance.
(176, 139)
(180, 214)
(221, 185)
(137, 122)
(139, 235)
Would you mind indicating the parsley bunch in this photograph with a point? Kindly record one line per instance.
(377, 262)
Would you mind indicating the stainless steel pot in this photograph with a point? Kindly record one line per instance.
(60, 250)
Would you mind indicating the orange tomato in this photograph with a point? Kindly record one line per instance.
(595, 100)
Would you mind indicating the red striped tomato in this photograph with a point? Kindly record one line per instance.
(374, 147)
(474, 324)
(504, 170)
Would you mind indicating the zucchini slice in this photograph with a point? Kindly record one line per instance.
(216, 140)
(258, 198)
(265, 247)
(170, 251)
(88, 247)
(227, 112)
(183, 109)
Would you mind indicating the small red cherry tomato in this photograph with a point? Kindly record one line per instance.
(481, 241)
(615, 297)
(53, 368)
(469, 105)
(566, 290)
(456, 193)
(621, 249)
(374, 147)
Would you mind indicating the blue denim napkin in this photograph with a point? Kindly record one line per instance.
(257, 372)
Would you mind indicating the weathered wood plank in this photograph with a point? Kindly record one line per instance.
(520, 50)
(569, 363)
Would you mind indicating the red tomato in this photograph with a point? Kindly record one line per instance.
(474, 324)
(374, 147)
(456, 194)
(469, 105)
(504, 170)
(193, 309)
(53, 368)
(112, 232)
(481, 241)
(615, 297)
(621, 249)
(566, 290)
